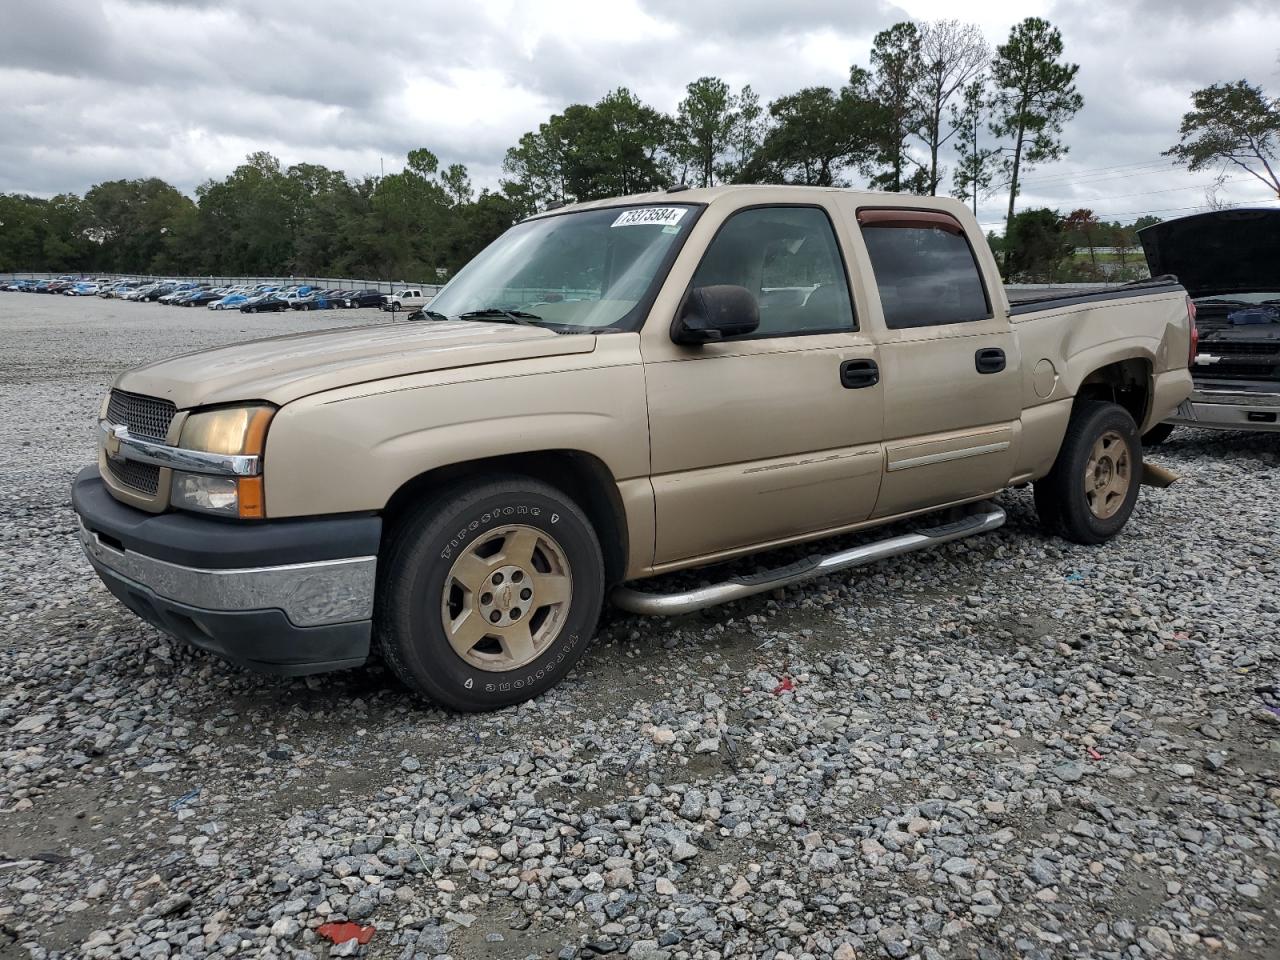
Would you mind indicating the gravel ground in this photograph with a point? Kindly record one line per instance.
(1009, 747)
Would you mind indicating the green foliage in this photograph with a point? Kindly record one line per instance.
(129, 220)
(35, 232)
(306, 220)
(897, 68)
(749, 128)
(976, 169)
(816, 134)
(704, 124)
(1034, 96)
(1231, 123)
(1035, 246)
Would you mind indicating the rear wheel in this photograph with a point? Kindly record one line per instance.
(1090, 493)
(489, 594)
(1157, 435)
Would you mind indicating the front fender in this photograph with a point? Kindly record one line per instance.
(349, 450)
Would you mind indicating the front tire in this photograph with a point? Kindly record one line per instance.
(1091, 491)
(489, 594)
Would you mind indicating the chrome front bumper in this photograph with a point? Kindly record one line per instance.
(313, 594)
(1229, 410)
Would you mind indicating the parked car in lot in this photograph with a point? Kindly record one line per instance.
(362, 298)
(270, 302)
(1229, 261)
(470, 490)
(315, 300)
(200, 298)
(231, 301)
(179, 291)
(84, 289)
(154, 293)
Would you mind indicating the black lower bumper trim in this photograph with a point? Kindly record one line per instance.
(210, 543)
(261, 640)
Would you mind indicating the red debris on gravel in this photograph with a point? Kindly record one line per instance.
(342, 932)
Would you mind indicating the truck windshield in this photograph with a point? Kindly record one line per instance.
(589, 270)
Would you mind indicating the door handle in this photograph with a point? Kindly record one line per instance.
(989, 360)
(855, 374)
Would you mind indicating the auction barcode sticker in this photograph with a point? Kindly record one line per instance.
(650, 216)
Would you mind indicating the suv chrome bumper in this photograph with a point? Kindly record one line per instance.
(1229, 410)
(309, 594)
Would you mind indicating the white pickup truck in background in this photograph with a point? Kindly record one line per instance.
(410, 299)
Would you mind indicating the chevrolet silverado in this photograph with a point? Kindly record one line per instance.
(610, 391)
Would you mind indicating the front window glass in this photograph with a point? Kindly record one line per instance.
(578, 270)
(787, 257)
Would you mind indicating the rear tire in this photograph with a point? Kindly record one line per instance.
(1090, 493)
(1157, 434)
(458, 616)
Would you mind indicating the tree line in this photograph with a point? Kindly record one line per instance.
(934, 110)
(263, 219)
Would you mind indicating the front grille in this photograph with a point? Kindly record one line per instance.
(1242, 348)
(143, 477)
(146, 417)
(1241, 369)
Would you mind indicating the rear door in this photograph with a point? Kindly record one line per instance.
(774, 435)
(951, 363)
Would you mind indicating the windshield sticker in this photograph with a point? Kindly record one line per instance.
(650, 216)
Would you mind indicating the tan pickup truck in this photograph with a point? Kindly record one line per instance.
(610, 391)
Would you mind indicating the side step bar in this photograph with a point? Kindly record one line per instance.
(982, 519)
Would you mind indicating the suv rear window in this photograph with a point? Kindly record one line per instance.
(924, 269)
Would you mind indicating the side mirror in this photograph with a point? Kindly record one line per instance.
(715, 313)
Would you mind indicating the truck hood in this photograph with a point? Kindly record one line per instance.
(1218, 253)
(281, 369)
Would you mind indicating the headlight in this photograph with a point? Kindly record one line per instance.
(234, 431)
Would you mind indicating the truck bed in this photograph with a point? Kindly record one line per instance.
(1034, 301)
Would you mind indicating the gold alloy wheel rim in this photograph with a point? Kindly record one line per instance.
(506, 598)
(1107, 475)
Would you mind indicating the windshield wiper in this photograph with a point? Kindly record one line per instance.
(502, 315)
(433, 314)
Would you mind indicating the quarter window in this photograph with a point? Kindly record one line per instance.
(925, 271)
(788, 259)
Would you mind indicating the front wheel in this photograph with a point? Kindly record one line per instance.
(1090, 493)
(489, 594)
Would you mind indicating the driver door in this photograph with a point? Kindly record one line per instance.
(774, 435)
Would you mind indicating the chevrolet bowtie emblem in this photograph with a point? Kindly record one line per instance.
(111, 443)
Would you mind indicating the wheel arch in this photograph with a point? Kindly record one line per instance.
(1127, 381)
(582, 476)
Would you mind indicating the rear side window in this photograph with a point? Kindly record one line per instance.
(789, 260)
(924, 269)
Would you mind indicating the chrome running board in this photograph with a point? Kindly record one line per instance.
(980, 518)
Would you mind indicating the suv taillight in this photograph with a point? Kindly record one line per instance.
(1195, 333)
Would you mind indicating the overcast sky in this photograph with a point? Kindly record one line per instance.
(93, 90)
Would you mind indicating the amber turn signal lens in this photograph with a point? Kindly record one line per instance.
(250, 498)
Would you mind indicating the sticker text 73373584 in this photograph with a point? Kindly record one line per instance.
(650, 216)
